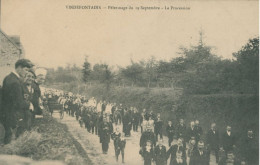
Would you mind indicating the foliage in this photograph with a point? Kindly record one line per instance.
(132, 72)
(247, 66)
(63, 75)
(197, 70)
(86, 71)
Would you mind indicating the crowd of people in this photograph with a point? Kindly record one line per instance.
(22, 99)
(186, 144)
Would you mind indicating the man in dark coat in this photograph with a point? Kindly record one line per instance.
(191, 132)
(136, 117)
(212, 140)
(103, 107)
(172, 152)
(13, 98)
(198, 130)
(147, 153)
(158, 127)
(249, 148)
(148, 135)
(94, 119)
(200, 156)
(127, 123)
(228, 139)
(106, 131)
(146, 115)
(179, 160)
(170, 132)
(181, 129)
(160, 155)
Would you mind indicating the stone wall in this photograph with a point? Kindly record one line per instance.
(9, 54)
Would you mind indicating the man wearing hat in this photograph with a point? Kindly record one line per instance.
(13, 99)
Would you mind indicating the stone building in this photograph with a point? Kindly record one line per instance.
(10, 51)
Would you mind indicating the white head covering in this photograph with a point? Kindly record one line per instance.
(40, 71)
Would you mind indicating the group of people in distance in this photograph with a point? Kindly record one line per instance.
(195, 148)
(187, 145)
(21, 98)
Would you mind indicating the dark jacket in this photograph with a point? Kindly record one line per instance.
(160, 155)
(35, 98)
(147, 136)
(158, 126)
(172, 152)
(249, 150)
(119, 144)
(228, 141)
(199, 132)
(170, 130)
(181, 131)
(147, 155)
(174, 162)
(13, 100)
(198, 159)
(136, 117)
(212, 139)
(191, 133)
(106, 131)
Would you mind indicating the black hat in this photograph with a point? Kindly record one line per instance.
(24, 63)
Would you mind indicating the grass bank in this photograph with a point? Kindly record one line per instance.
(48, 140)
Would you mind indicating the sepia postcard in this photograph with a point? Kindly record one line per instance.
(153, 82)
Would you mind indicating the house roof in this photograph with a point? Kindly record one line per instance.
(9, 39)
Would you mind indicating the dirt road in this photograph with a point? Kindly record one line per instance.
(90, 143)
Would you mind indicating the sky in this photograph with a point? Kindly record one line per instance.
(55, 36)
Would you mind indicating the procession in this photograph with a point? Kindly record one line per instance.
(23, 99)
(129, 82)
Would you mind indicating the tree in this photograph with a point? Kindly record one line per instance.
(86, 70)
(133, 72)
(108, 76)
(150, 73)
(103, 74)
(247, 63)
(202, 71)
